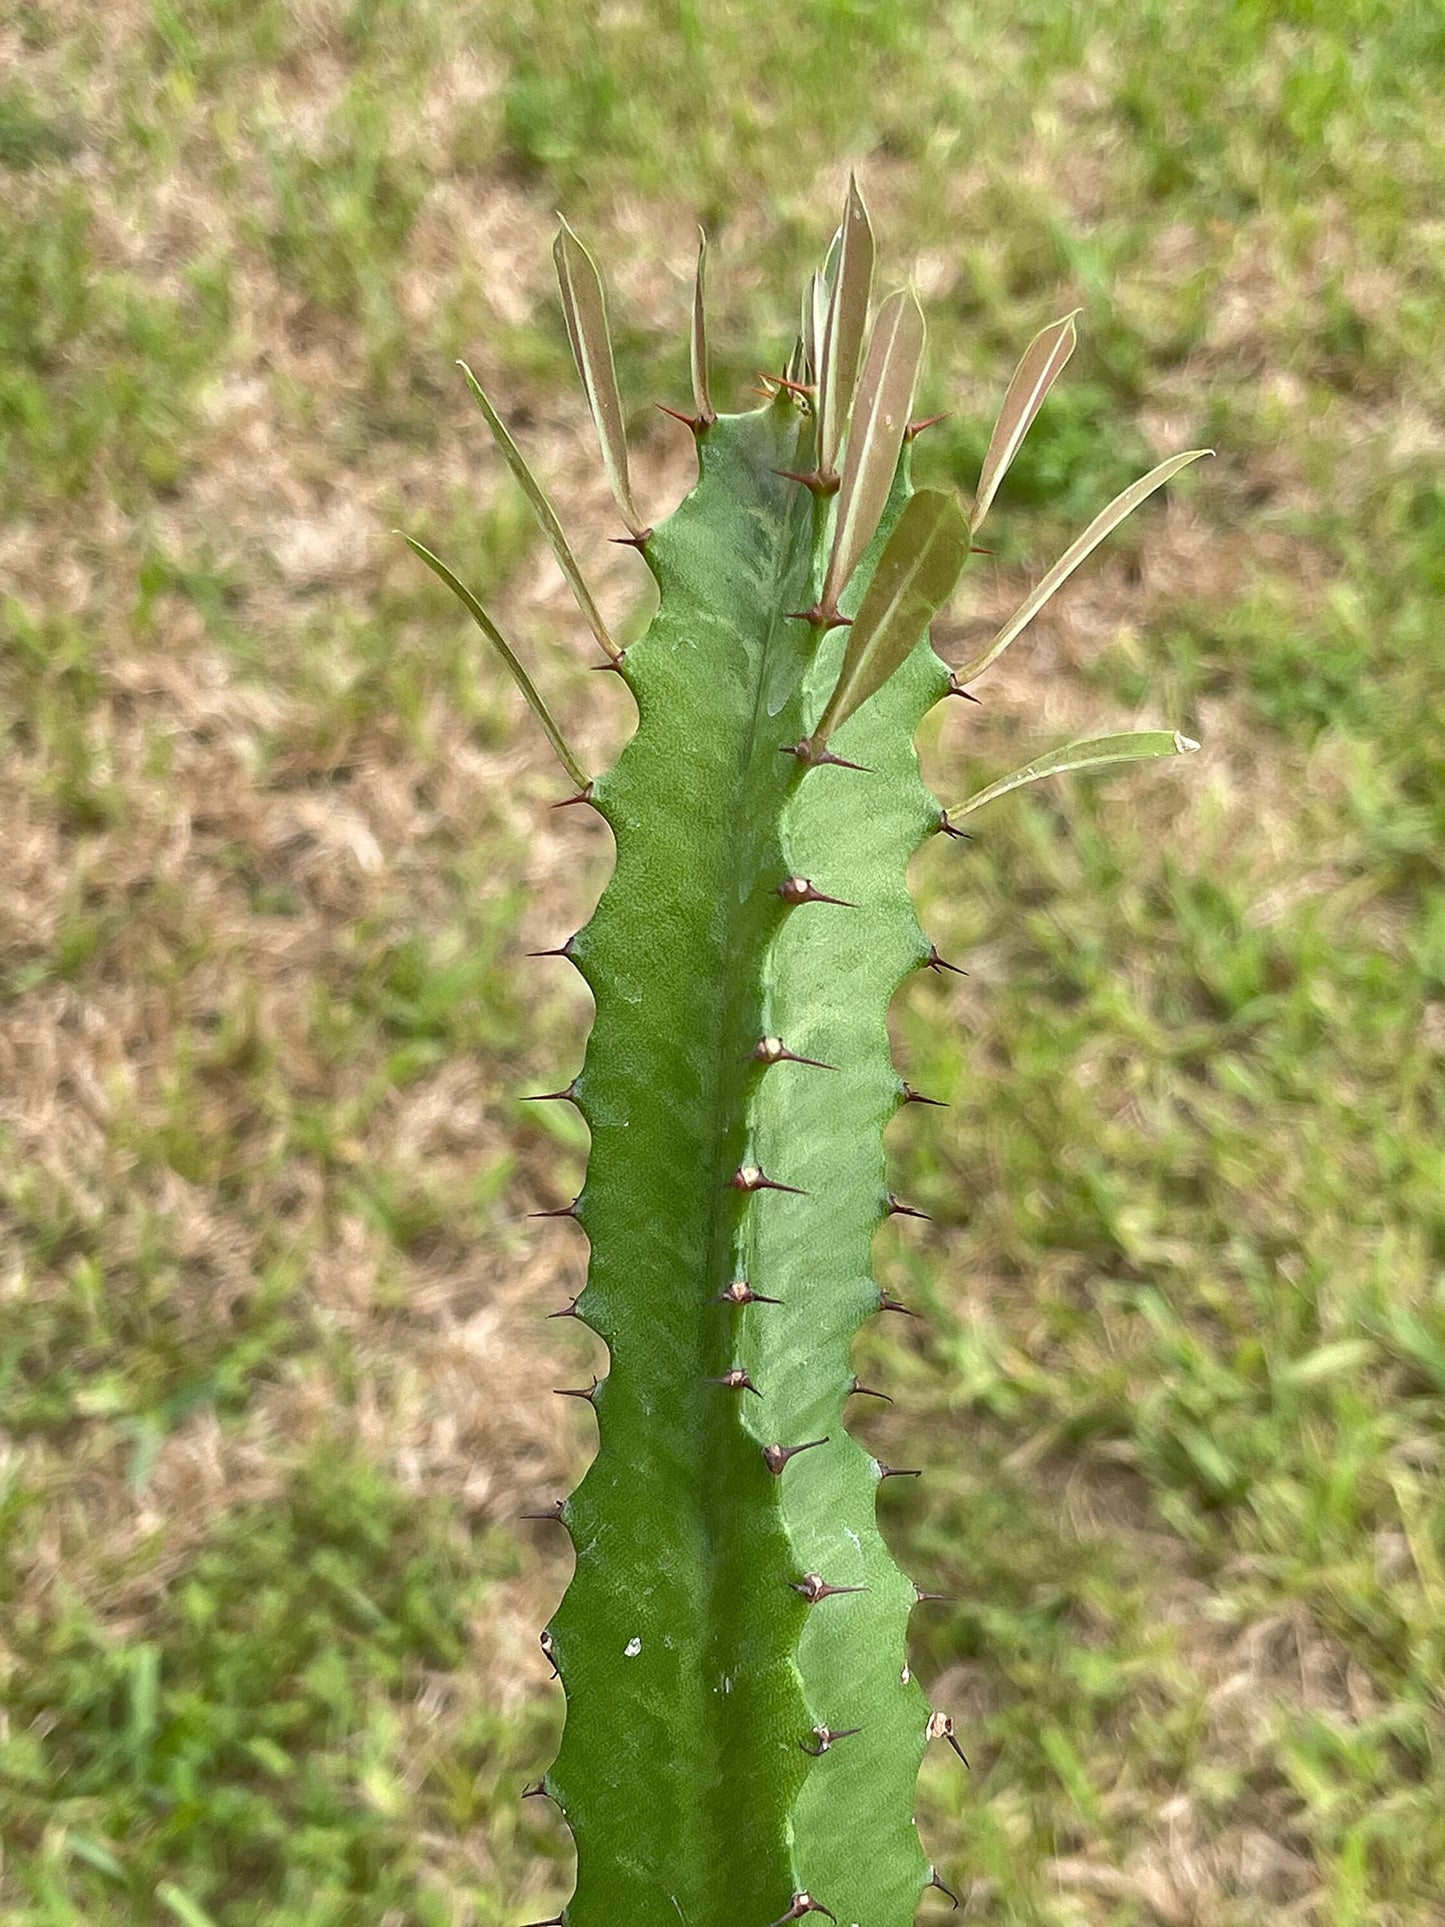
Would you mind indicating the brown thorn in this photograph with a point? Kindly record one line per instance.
(940, 1727)
(554, 1097)
(896, 1471)
(897, 1209)
(945, 828)
(563, 1211)
(552, 1516)
(924, 1598)
(811, 757)
(934, 962)
(589, 1392)
(740, 1292)
(772, 1050)
(810, 479)
(694, 422)
(552, 1920)
(544, 1640)
(867, 1391)
(737, 1380)
(558, 950)
(813, 1588)
(885, 1303)
(827, 1736)
(803, 1903)
(569, 1310)
(915, 429)
(806, 388)
(538, 1789)
(956, 688)
(639, 541)
(775, 1457)
(611, 668)
(910, 1096)
(584, 795)
(934, 1881)
(820, 617)
(750, 1177)
(795, 890)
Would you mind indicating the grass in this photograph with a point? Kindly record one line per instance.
(271, 1375)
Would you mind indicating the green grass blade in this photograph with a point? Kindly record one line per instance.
(1093, 752)
(697, 342)
(494, 636)
(177, 1901)
(1103, 524)
(585, 307)
(546, 515)
(914, 577)
(880, 417)
(1040, 366)
(847, 322)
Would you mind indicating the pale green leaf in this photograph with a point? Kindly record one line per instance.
(847, 322)
(585, 308)
(494, 636)
(880, 419)
(1102, 525)
(914, 577)
(1132, 746)
(697, 345)
(179, 1902)
(546, 515)
(1040, 366)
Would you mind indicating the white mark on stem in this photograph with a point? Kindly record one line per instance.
(632, 1648)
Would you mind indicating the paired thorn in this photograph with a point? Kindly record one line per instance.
(813, 1588)
(537, 1790)
(803, 1903)
(956, 688)
(611, 668)
(934, 1881)
(820, 617)
(885, 1303)
(897, 1471)
(552, 1516)
(807, 389)
(569, 1310)
(946, 828)
(562, 1211)
(910, 1096)
(812, 755)
(934, 962)
(775, 1457)
(940, 1727)
(589, 1392)
(898, 1209)
(866, 1391)
(549, 1652)
(772, 1050)
(915, 429)
(737, 1380)
(567, 1095)
(827, 1736)
(796, 890)
(751, 1177)
(740, 1292)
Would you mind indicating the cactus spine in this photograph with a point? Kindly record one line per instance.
(743, 1733)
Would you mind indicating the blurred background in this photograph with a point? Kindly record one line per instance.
(275, 836)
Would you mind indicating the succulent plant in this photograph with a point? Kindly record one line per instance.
(743, 1732)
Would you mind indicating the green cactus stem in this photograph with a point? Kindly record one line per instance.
(743, 1732)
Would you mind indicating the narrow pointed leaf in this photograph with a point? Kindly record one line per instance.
(499, 642)
(1039, 368)
(914, 577)
(880, 416)
(546, 515)
(1103, 524)
(585, 308)
(842, 343)
(814, 324)
(1132, 746)
(701, 393)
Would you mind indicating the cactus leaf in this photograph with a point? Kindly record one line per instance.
(541, 506)
(880, 419)
(697, 341)
(1093, 752)
(1040, 366)
(504, 649)
(1078, 551)
(913, 578)
(847, 322)
(584, 306)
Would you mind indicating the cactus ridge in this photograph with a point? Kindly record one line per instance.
(743, 1730)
